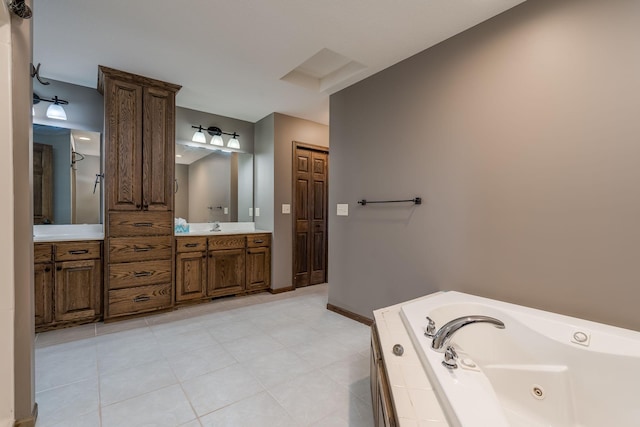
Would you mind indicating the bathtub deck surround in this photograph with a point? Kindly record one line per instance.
(262, 360)
(541, 369)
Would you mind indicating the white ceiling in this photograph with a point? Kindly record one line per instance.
(230, 56)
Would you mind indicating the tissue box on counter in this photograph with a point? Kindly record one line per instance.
(181, 226)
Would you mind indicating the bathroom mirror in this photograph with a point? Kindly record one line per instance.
(213, 185)
(67, 185)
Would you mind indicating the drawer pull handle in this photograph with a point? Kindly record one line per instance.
(79, 252)
(143, 224)
(139, 249)
(190, 245)
(141, 273)
(258, 241)
(141, 298)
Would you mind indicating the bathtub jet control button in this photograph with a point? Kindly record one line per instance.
(581, 337)
(398, 350)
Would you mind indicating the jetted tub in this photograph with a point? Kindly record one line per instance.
(542, 369)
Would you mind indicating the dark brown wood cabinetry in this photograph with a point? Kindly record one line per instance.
(221, 265)
(225, 266)
(68, 283)
(191, 268)
(139, 141)
(139, 169)
(258, 262)
(383, 410)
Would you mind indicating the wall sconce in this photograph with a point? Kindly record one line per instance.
(55, 110)
(216, 137)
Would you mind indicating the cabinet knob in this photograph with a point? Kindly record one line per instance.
(145, 206)
(58, 268)
(47, 269)
(137, 205)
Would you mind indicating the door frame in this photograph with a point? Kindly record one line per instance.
(322, 149)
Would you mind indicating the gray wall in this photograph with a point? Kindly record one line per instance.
(185, 118)
(264, 172)
(288, 129)
(521, 135)
(84, 112)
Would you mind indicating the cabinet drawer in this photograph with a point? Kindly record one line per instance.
(140, 224)
(135, 300)
(131, 274)
(191, 244)
(70, 251)
(258, 240)
(128, 249)
(226, 242)
(42, 252)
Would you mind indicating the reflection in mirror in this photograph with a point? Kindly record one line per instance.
(213, 185)
(66, 176)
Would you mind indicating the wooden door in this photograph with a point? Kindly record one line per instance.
(42, 183)
(123, 141)
(158, 149)
(191, 276)
(77, 290)
(258, 268)
(311, 166)
(226, 272)
(43, 297)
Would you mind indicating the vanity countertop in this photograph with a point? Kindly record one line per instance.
(226, 228)
(67, 232)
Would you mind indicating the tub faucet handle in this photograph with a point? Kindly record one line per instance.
(450, 358)
(430, 329)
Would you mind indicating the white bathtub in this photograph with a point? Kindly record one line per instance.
(533, 372)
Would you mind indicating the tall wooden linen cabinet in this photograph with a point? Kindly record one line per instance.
(139, 172)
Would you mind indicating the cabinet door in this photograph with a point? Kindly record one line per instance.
(158, 149)
(43, 281)
(77, 290)
(123, 141)
(191, 276)
(226, 272)
(258, 268)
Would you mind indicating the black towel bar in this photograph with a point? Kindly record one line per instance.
(415, 200)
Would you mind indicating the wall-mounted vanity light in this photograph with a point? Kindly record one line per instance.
(216, 137)
(55, 110)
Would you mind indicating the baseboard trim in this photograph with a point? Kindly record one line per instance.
(281, 290)
(28, 422)
(350, 314)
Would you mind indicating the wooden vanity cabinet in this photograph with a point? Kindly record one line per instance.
(139, 271)
(258, 261)
(139, 171)
(215, 266)
(43, 284)
(191, 268)
(68, 283)
(226, 265)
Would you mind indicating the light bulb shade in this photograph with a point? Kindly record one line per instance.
(55, 111)
(234, 143)
(198, 136)
(217, 140)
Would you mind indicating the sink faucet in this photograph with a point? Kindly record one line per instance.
(441, 339)
(215, 226)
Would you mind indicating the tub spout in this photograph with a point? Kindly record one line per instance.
(441, 339)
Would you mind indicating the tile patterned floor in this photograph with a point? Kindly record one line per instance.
(261, 360)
